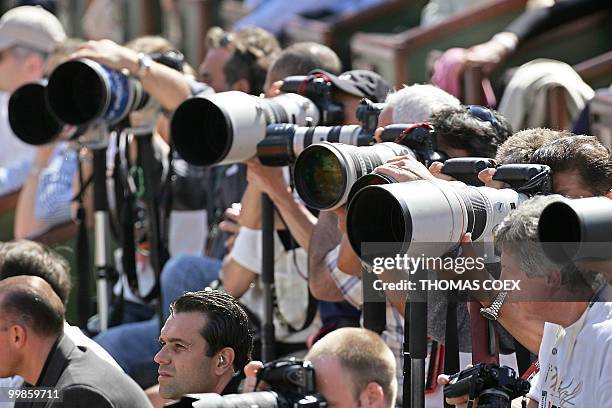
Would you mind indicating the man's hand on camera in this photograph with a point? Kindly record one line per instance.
(459, 402)
(404, 168)
(274, 89)
(269, 180)
(250, 370)
(436, 169)
(341, 213)
(108, 53)
(486, 176)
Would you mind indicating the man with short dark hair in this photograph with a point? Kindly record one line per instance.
(519, 147)
(252, 51)
(581, 166)
(205, 342)
(470, 131)
(28, 258)
(33, 346)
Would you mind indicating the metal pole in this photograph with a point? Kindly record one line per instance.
(267, 278)
(102, 252)
(418, 343)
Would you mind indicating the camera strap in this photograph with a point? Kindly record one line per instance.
(159, 252)
(451, 338)
(485, 344)
(290, 244)
(82, 253)
(524, 357)
(124, 197)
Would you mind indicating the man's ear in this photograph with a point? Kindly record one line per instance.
(241, 85)
(34, 64)
(225, 360)
(372, 396)
(553, 278)
(609, 194)
(17, 337)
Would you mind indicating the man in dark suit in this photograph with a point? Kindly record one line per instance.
(32, 345)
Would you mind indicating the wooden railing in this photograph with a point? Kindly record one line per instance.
(336, 32)
(401, 58)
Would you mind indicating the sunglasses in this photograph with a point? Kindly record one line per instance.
(484, 115)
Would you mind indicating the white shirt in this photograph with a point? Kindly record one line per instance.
(576, 361)
(15, 156)
(290, 271)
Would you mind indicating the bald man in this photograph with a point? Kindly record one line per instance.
(33, 346)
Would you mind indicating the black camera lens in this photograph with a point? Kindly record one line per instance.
(192, 117)
(29, 116)
(76, 92)
(80, 92)
(322, 177)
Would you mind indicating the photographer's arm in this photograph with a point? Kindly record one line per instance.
(527, 330)
(270, 180)
(325, 237)
(250, 215)
(236, 278)
(26, 224)
(167, 86)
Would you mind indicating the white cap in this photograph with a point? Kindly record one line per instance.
(32, 27)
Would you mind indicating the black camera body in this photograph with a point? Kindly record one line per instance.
(466, 169)
(318, 89)
(368, 113)
(494, 386)
(294, 381)
(285, 141)
(419, 137)
(529, 179)
(292, 384)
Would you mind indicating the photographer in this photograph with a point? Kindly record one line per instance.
(205, 344)
(243, 265)
(45, 197)
(28, 35)
(574, 363)
(27, 258)
(353, 368)
(463, 131)
(134, 345)
(34, 346)
(411, 104)
(580, 164)
(581, 167)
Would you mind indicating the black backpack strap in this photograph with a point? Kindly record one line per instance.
(523, 357)
(82, 253)
(125, 211)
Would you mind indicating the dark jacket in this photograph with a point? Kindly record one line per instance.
(85, 380)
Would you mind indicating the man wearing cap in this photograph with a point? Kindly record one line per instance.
(28, 35)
